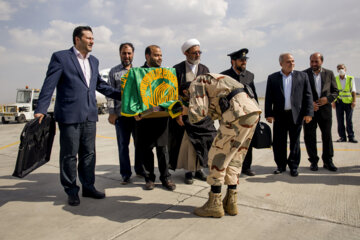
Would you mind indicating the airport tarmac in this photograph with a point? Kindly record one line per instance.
(315, 205)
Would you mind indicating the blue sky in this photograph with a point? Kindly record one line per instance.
(31, 30)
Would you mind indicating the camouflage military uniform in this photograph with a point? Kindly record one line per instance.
(237, 124)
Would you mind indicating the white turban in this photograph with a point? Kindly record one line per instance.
(189, 43)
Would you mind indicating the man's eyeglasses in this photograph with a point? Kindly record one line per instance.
(196, 53)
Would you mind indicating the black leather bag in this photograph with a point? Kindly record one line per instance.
(262, 136)
(35, 145)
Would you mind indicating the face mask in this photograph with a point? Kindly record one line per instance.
(342, 72)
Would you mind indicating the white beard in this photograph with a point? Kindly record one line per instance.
(194, 62)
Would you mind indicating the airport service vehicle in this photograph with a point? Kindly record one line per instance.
(23, 109)
(26, 103)
(101, 99)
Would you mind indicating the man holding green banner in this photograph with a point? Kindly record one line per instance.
(143, 90)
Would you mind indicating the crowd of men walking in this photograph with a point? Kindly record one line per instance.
(293, 100)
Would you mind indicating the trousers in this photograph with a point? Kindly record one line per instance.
(77, 139)
(341, 110)
(125, 127)
(229, 148)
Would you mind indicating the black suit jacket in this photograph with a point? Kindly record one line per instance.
(328, 89)
(181, 72)
(245, 77)
(301, 96)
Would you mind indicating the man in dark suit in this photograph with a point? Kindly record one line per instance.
(288, 102)
(324, 91)
(239, 72)
(75, 75)
(189, 143)
(153, 132)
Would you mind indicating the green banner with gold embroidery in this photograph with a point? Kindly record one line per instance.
(145, 88)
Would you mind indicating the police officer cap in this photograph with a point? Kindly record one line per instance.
(241, 54)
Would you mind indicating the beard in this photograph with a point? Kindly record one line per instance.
(315, 68)
(194, 62)
(126, 63)
(240, 68)
(155, 63)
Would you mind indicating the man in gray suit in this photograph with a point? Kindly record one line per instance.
(324, 91)
(288, 102)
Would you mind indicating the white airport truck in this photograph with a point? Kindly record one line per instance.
(26, 103)
(23, 109)
(101, 99)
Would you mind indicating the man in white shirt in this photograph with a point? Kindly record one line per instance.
(324, 90)
(288, 102)
(75, 75)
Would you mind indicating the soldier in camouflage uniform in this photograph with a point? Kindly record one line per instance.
(237, 126)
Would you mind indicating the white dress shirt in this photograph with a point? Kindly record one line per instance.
(192, 67)
(84, 64)
(287, 83)
(317, 78)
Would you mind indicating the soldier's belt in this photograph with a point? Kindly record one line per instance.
(224, 102)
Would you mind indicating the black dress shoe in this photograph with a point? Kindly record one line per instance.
(200, 175)
(353, 140)
(248, 172)
(126, 180)
(93, 194)
(188, 178)
(73, 199)
(314, 167)
(341, 140)
(150, 185)
(330, 166)
(278, 171)
(141, 175)
(294, 172)
(169, 185)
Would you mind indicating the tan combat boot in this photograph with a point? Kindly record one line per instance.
(230, 201)
(212, 208)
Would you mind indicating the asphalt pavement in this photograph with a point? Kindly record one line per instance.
(315, 205)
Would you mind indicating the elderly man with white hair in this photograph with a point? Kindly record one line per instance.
(189, 143)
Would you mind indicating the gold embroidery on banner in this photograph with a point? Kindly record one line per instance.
(123, 82)
(153, 93)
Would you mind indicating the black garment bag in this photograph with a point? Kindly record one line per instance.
(35, 145)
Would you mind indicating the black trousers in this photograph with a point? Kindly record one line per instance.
(324, 121)
(248, 159)
(341, 110)
(77, 139)
(152, 133)
(283, 126)
(148, 163)
(125, 127)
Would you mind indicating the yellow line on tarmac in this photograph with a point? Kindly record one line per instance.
(347, 150)
(99, 136)
(11, 144)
